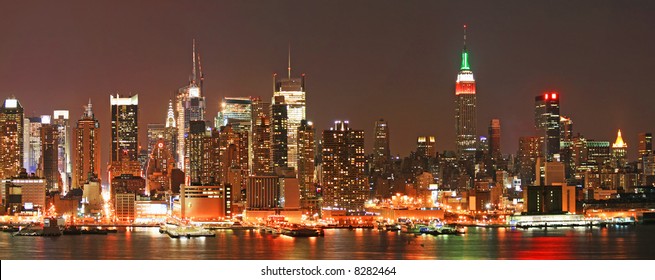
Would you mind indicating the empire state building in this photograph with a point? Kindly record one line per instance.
(465, 107)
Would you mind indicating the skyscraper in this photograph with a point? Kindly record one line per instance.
(195, 152)
(566, 128)
(494, 139)
(189, 106)
(619, 152)
(124, 127)
(426, 146)
(65, 165)
(156, 131)
(530, 150)
(279, 133)
(170, 131)
(234, 109)
(86, 148)
(261, 147)
(344, 181)
(645, 144)
(547, 122)
(465, 108)
(11, 138)
(32, 153)
(260, 144)
(49, 165)
(381, 151)
(293, 91)
(306, 156)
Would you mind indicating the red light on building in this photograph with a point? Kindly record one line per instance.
(546, 96)
(553, 95)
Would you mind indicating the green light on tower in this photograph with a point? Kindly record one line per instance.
(465, 61)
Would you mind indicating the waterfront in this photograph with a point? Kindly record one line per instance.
(627, 242)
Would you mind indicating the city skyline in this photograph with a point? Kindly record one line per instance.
(630, 113)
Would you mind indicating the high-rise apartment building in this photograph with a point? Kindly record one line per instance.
(86, 148)
(465, 108)
(344, 182)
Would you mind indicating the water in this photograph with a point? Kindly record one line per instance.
(634, 242)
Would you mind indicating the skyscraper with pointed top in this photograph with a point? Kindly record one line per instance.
(465, 108)
(86, 148)
(189, 106)
(293, 92)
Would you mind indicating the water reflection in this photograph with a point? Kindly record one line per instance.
(478, 243)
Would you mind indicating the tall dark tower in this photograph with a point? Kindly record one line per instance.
(279, 130)
(547, 122)
(124, 127)
(494, 139)
(465, 108)
(381, 151)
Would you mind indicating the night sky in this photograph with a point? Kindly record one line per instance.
(364, 60)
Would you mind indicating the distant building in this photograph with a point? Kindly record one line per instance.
(645, 147)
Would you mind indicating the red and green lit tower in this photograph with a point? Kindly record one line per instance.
(465, 107)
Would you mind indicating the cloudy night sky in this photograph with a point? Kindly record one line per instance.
(364, 60)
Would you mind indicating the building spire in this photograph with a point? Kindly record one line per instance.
(88, 110)
(619, 141)
(289, 62)
(170, 118)
(193, 75)
(465, 60)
